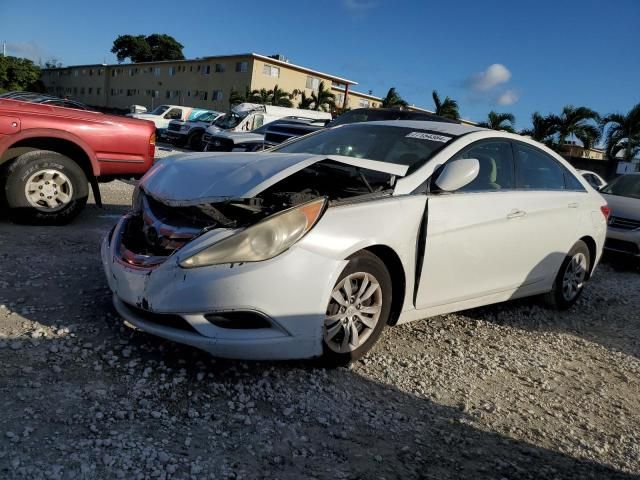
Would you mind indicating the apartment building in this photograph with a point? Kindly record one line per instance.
(203, 82)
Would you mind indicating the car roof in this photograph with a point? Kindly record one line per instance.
(442, 127)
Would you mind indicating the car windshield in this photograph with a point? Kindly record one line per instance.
(229, 120)
(624, 186)
(206, 117)
(385, 143)
(159, 110)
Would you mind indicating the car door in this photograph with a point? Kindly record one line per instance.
(473, 241)
(553, 200)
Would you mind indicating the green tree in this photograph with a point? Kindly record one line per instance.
(280, 98)
(305, 102)
(578, 122)
(393, 100)
(541, 130)
(235, 97)
(499, 121)
(323, 99)
(261, 96)
(19, 74)
(154, 47)
(447, 108)
(621, 133)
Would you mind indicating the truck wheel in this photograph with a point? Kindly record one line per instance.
(45, 188)
(194, 142)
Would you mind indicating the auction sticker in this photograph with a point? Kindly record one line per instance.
(428, 136)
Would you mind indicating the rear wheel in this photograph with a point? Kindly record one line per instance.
(358, 309)
(571, 277)
(194, 141)
(46, 188)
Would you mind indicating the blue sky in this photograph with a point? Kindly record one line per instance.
(508, 56)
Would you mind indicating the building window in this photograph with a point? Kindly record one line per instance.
(100, 70)
(216, 95)
(219, 68)
(75, 73)
(157, 71)
(84, 72)
(313, 82)
(271, 71)
(242, 67)
(339, 99)
(90, 91)
(172, 71)
(98, 91)
(81, 90)
(91, 72)
(363, 103)
(206, 70)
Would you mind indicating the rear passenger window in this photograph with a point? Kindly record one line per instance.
(536, 170)
(496, 166)
(572, 183)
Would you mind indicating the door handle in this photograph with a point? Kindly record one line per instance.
(516, 213)
(573, 205)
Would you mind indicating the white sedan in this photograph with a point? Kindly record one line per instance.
(312, 248)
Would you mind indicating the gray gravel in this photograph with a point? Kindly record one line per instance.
(504, 392)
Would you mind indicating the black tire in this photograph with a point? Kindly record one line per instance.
(194, 140)
(368, 263)
(24, 167)
(557, 297)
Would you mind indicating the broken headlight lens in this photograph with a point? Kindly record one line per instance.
(261, 241)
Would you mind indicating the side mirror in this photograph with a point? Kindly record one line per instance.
(456, 174)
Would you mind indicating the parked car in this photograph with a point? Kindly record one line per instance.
(246, 117)
(359, 115)
(189, 133)
(49, 154)
(313, 247)
(45, 99)
(595, 180)
(272, 133)
(163, 114)
(623, 197)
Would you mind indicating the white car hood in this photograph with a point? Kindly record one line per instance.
(143, 116)
(193, 179)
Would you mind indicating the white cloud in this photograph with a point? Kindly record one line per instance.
(493, 76)
(30, 50)
(508, 97)
(359, 6)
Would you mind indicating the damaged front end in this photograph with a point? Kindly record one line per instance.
(262, 226)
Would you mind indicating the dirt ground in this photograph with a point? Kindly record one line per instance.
(511, 391)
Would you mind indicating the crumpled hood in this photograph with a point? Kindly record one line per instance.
(197, 178)
(625, 207)
(239, 137)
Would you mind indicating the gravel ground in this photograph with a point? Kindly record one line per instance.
(504, 392)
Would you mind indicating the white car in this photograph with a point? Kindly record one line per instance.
(595, 180)
(312, 248)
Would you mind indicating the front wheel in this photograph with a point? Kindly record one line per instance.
(358, 309)
(571, 277)
(45, 188)
(194, 141)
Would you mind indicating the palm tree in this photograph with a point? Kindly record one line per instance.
(577, 122)
(323, 99)
(541, 129)
(622, 133)
(305, 102)
(447, 108)
(280, 97)
(261, 96)
(393, 100)
(499, 121)
(235, 97)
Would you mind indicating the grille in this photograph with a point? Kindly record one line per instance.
(165, 319)
(174, 127)
(624, 223)
(622, 246)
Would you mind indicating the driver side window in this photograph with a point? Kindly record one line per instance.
(173, 114)
(496, 166)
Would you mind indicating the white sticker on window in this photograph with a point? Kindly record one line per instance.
(428, 136)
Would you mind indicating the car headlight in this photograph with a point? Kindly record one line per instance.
(184, 128)
(262, 241)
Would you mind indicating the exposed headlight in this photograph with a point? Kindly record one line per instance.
(261, 241)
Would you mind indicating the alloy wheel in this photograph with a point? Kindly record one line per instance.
(353, 312)
(48, 190)
(574, 276)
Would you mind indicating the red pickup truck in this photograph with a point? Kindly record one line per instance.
(50, 155)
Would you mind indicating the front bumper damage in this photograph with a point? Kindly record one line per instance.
(288, 293)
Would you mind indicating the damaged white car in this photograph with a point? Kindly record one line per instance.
(312, 248)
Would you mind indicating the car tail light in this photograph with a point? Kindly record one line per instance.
(152, 145)
(605, 211)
